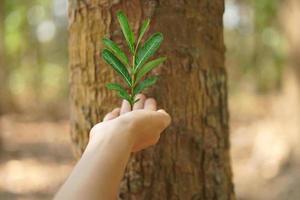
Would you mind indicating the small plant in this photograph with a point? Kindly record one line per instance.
(133, 70)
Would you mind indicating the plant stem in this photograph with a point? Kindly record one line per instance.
(133, 75)
(133, 80)
(131, 89)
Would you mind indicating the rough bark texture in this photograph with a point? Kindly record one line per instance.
(192, 159)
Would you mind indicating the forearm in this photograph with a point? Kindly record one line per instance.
(98, 173)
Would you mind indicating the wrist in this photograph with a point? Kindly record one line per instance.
(116, 132)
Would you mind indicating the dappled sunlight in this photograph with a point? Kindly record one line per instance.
(36, 157)
(265, 145)
(29, 175)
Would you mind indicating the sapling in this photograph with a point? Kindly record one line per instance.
(135, 67)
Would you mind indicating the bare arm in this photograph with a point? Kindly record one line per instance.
(98, 173)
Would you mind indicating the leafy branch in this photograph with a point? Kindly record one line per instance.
(133, 70)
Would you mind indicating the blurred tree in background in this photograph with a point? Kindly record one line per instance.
(35, 42)
(3, 69)
(255, 45)
(290, 16)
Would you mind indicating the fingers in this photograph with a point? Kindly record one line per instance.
(113, 114)
(165, 117)
(116, 112)
(140, 103)
(143, 103)
(108, 116)
(150, 104)
(125, 107)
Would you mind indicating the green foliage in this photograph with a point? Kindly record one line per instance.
(115, 86)
(145, 84)
(259, 66)
(147, 50)
(134, 73)
(127, 31)
(34, 70)
(148, 67)
(265, 13)
(113, 47)
(117, 65)
(143, 30)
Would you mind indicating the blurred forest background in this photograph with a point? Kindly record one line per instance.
(263, 41)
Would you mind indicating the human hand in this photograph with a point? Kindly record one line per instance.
(142, 126)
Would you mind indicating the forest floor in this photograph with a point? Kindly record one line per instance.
(36, 156)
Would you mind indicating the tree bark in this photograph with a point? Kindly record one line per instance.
(192, 158)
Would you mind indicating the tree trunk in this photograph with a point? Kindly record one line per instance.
(192, 158)
(3, 78)
(289, 18)
(290, 15)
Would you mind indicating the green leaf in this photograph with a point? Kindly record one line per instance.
(127, 31)
(125, 95)
(148, 49)
(115, 86)
(145, 84)
(117, 65)
(143, 30)
(121, 91)
(113, 47)
(148, 67)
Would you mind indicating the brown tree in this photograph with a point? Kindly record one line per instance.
(290, 15)
(3, 78)
(3, 68)
(289, 18)
(5, 95)
(192, 158)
